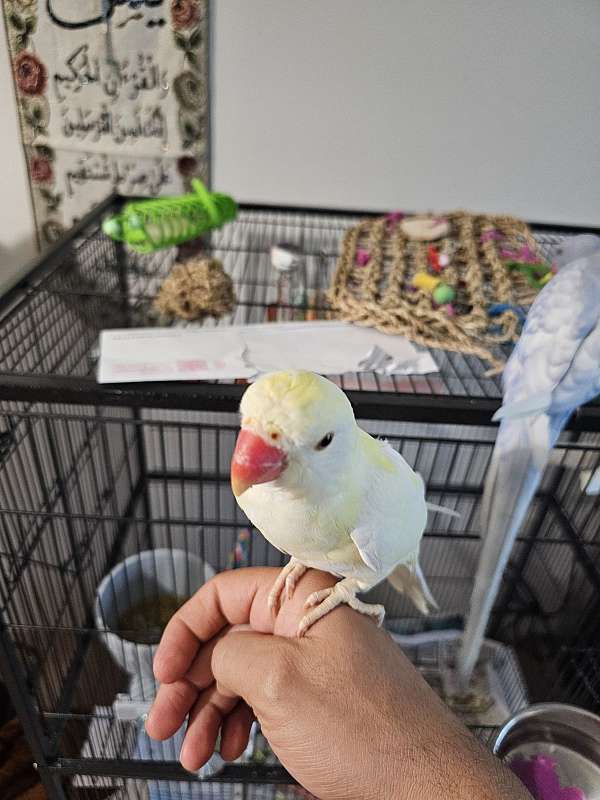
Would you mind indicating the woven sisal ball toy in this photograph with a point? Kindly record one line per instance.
(197, 289)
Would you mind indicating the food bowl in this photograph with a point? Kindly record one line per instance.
(135, 600)
(555, 750)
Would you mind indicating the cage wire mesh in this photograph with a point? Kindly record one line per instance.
(109, 509)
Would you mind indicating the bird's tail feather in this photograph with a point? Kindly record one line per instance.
(521, 451)
(436, 509)
(408, 579)
(537, 404)
(592, 486)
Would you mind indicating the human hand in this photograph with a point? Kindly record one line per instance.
(342, 708)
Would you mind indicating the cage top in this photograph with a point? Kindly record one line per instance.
(50, 322)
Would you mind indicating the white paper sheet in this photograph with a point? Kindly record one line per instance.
(330, 348)
(171, 354)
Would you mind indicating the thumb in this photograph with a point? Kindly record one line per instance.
(260, 668)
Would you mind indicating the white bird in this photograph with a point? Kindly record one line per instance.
(322, 490)
(554, 368)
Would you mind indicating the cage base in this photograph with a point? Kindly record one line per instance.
(498, 690)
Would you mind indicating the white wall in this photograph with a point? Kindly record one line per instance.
(409, 104)
(17, 239)
(383, 104)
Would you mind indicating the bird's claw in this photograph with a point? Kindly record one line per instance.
(317, 597)
(285, 584)
(273, 601)
(377, 612)
(325, 600)
(290, 585)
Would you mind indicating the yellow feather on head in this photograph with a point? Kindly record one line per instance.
(300, 404)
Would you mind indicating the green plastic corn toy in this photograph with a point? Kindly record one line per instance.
(151, 225)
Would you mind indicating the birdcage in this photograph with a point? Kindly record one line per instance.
(110, 493)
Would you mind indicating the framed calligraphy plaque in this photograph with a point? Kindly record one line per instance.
(112, 95)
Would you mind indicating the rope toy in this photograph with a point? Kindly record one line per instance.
(195, 290)
(382, 292)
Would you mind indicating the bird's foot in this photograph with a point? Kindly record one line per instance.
(285, 583)
(326, 600)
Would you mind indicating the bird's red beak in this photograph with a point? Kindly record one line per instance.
(254, 461)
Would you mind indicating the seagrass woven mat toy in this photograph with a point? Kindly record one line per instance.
(455, 281)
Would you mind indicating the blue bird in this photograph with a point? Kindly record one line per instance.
(554, 368)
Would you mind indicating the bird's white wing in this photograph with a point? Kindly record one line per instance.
(559, 322)
(393, 516)
(554, 368)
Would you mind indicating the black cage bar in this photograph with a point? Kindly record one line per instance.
(92, 475)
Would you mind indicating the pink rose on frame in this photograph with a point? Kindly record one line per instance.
(30, 74)
(41, 170)
(184, 14)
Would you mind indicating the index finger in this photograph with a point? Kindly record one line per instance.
(225, 600)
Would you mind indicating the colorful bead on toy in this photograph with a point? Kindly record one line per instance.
(362, 257)
(434, 258)
(441, 293)
(537, 275)
(524, 254)
(437, 261)
(495, 309)
(393, 218)
(492, 235)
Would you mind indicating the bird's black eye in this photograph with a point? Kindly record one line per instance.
(559, 251)
(325, 441)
